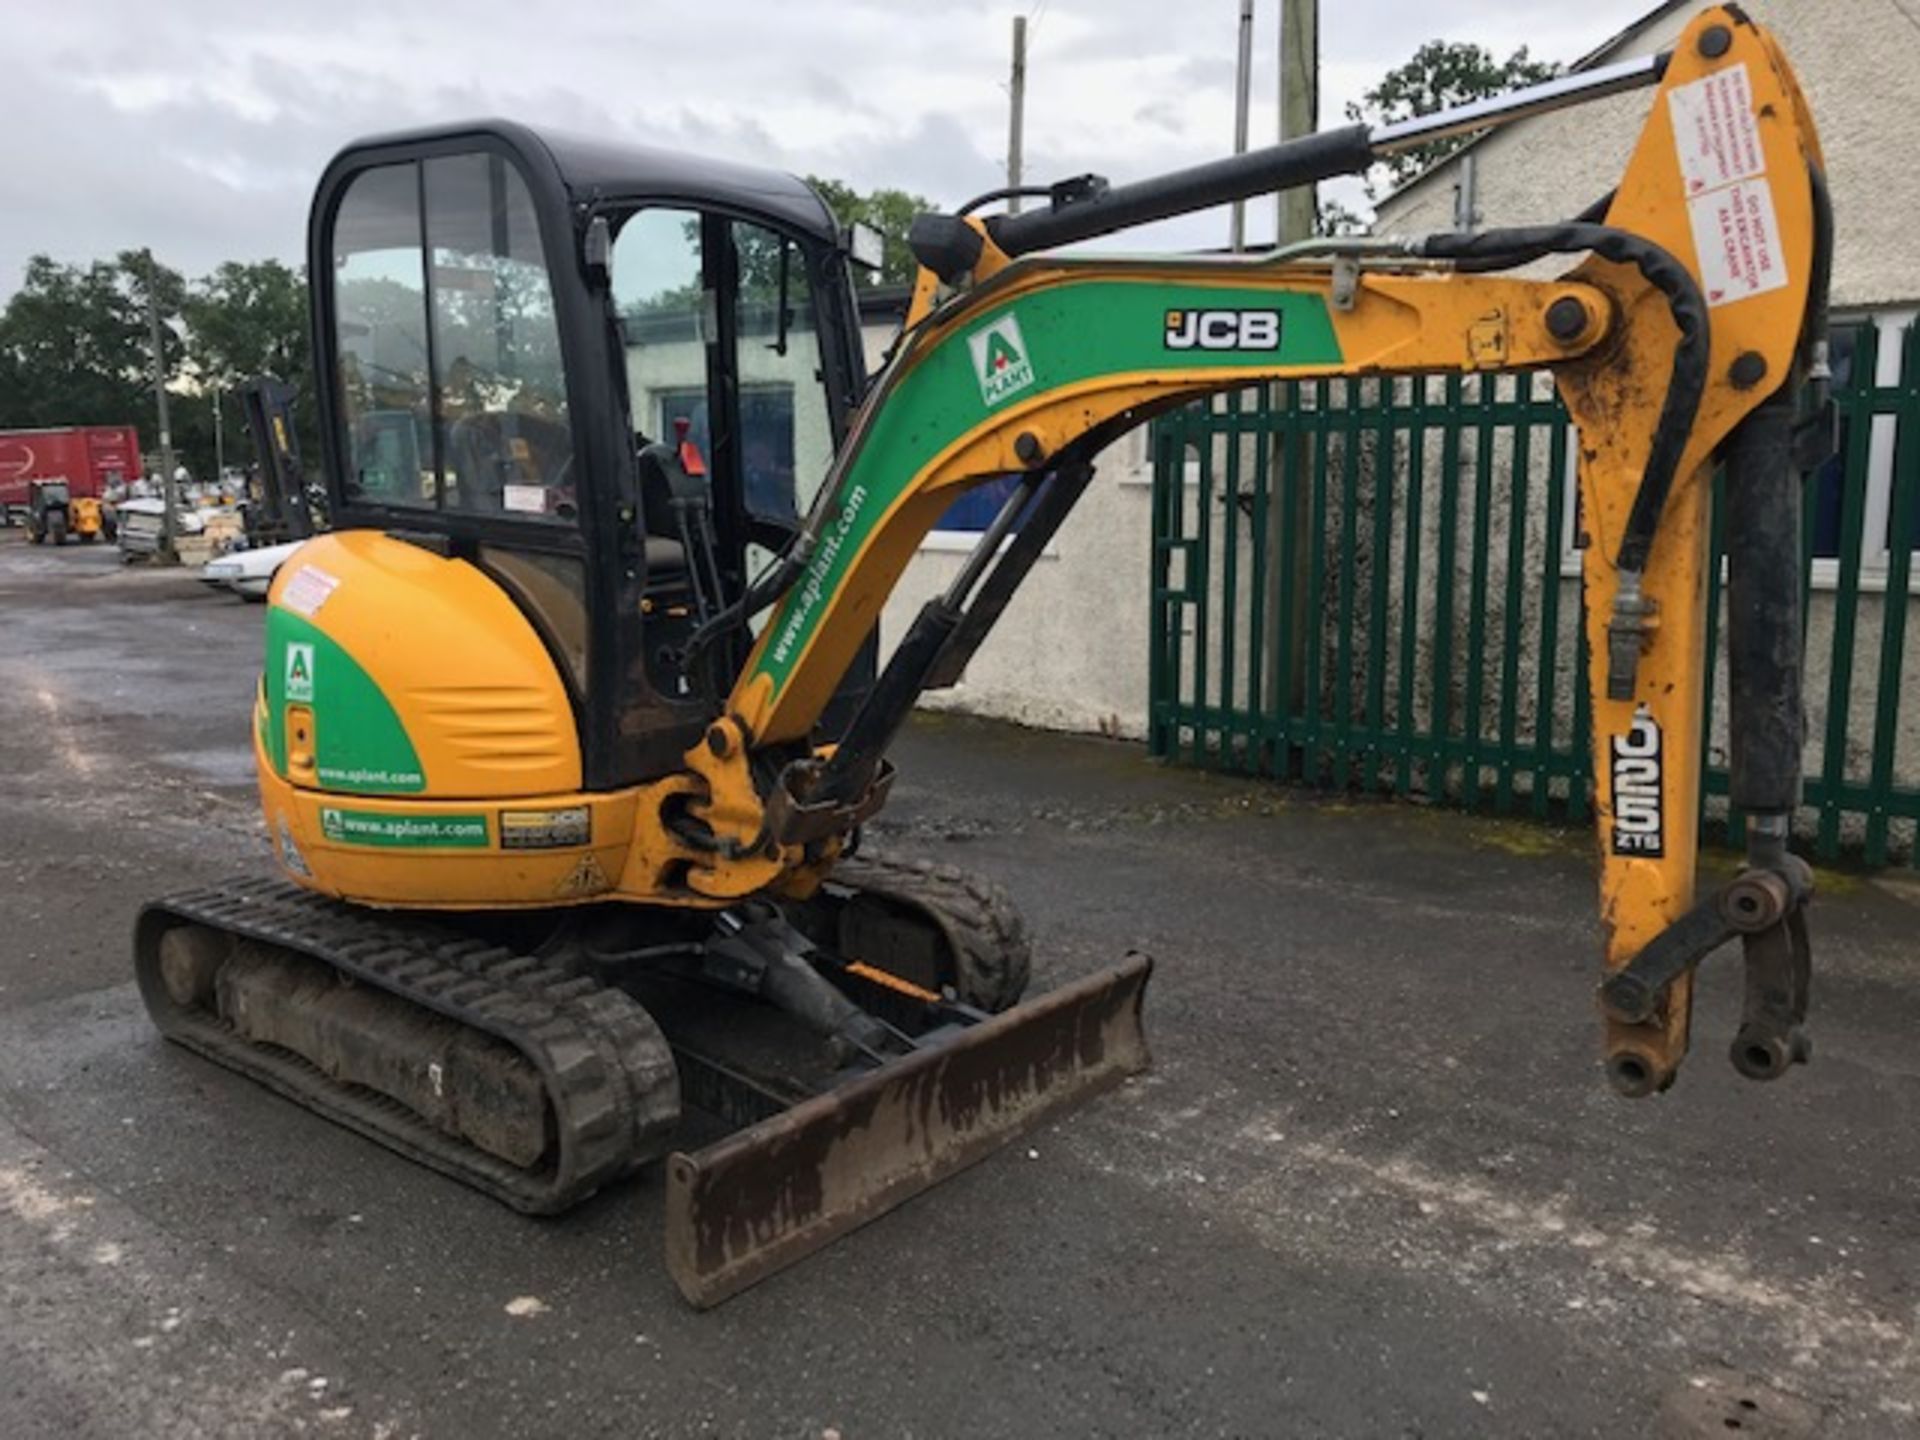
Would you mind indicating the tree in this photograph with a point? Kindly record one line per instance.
(1336, 219)
(73, 347)
(1441, 75)
(243, 321)
(890, 212)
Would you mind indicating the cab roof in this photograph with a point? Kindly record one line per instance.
(590, 168)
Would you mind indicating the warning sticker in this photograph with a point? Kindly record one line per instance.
(528, 499)
(545, 829)
(1737, 240)
(308, 590)
(1715, 131)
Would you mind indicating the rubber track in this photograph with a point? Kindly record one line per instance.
(609, 1075)
(988, 935)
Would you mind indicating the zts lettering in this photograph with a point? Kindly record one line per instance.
(1638, 827)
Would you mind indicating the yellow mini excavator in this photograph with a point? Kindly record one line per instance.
(568, 729)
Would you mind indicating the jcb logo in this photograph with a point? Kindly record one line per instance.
(1637, 811)
(1223, 330)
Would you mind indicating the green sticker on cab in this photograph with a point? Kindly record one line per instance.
(418, 832)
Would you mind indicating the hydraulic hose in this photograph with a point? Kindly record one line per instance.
(1687, 382)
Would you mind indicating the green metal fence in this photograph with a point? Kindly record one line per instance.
(1373, 584)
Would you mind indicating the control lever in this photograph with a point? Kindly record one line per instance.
(692, 501)
(681, 471)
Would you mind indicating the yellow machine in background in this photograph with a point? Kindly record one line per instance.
(54, 513)
(567, 733)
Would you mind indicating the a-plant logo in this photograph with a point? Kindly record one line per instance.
(300, 671)
(1000, 360)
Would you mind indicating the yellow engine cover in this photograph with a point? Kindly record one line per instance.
(415, 742)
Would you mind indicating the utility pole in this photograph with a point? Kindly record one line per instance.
(219, 442)
(1296, 217)
(1242, 94)
(166, 554)
(1297, 211)
(1017, 119)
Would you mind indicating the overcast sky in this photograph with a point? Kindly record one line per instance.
(200, 127)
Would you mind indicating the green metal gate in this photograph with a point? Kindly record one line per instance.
(1373, 584)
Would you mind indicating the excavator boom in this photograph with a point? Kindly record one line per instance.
(1690, 333)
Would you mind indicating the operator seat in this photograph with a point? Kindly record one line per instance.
(497, 448)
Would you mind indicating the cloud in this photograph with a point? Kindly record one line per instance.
(132, 123)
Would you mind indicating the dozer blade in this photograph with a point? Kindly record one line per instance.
(766, 1196)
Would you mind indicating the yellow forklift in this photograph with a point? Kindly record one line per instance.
(54, 513)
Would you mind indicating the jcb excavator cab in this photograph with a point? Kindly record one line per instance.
(612, 378)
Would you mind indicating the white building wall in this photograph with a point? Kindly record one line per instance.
(1071, 651)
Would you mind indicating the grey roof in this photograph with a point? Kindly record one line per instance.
(594, 168)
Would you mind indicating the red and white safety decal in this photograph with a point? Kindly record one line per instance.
(1737, 240)
(1736, 235)
(1715, 131)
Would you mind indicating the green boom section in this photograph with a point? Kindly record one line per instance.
(360, 746)
(1013, 354)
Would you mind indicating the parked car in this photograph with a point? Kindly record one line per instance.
(142, 520)
(248, 573)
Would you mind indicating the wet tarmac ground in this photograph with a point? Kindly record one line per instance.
(1374, 1185)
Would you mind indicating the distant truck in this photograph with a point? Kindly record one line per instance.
(91, 458)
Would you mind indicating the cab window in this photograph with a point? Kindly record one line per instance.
(786, 442)
(684, 283)
(448, 347)
(380, 339)
(667, 318)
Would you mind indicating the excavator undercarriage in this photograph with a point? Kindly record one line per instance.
(538, 1076)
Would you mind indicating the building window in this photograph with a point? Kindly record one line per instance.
(1872, 398)
(766, 432)
(973, 512)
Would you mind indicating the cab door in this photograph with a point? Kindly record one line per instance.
(735, 355)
